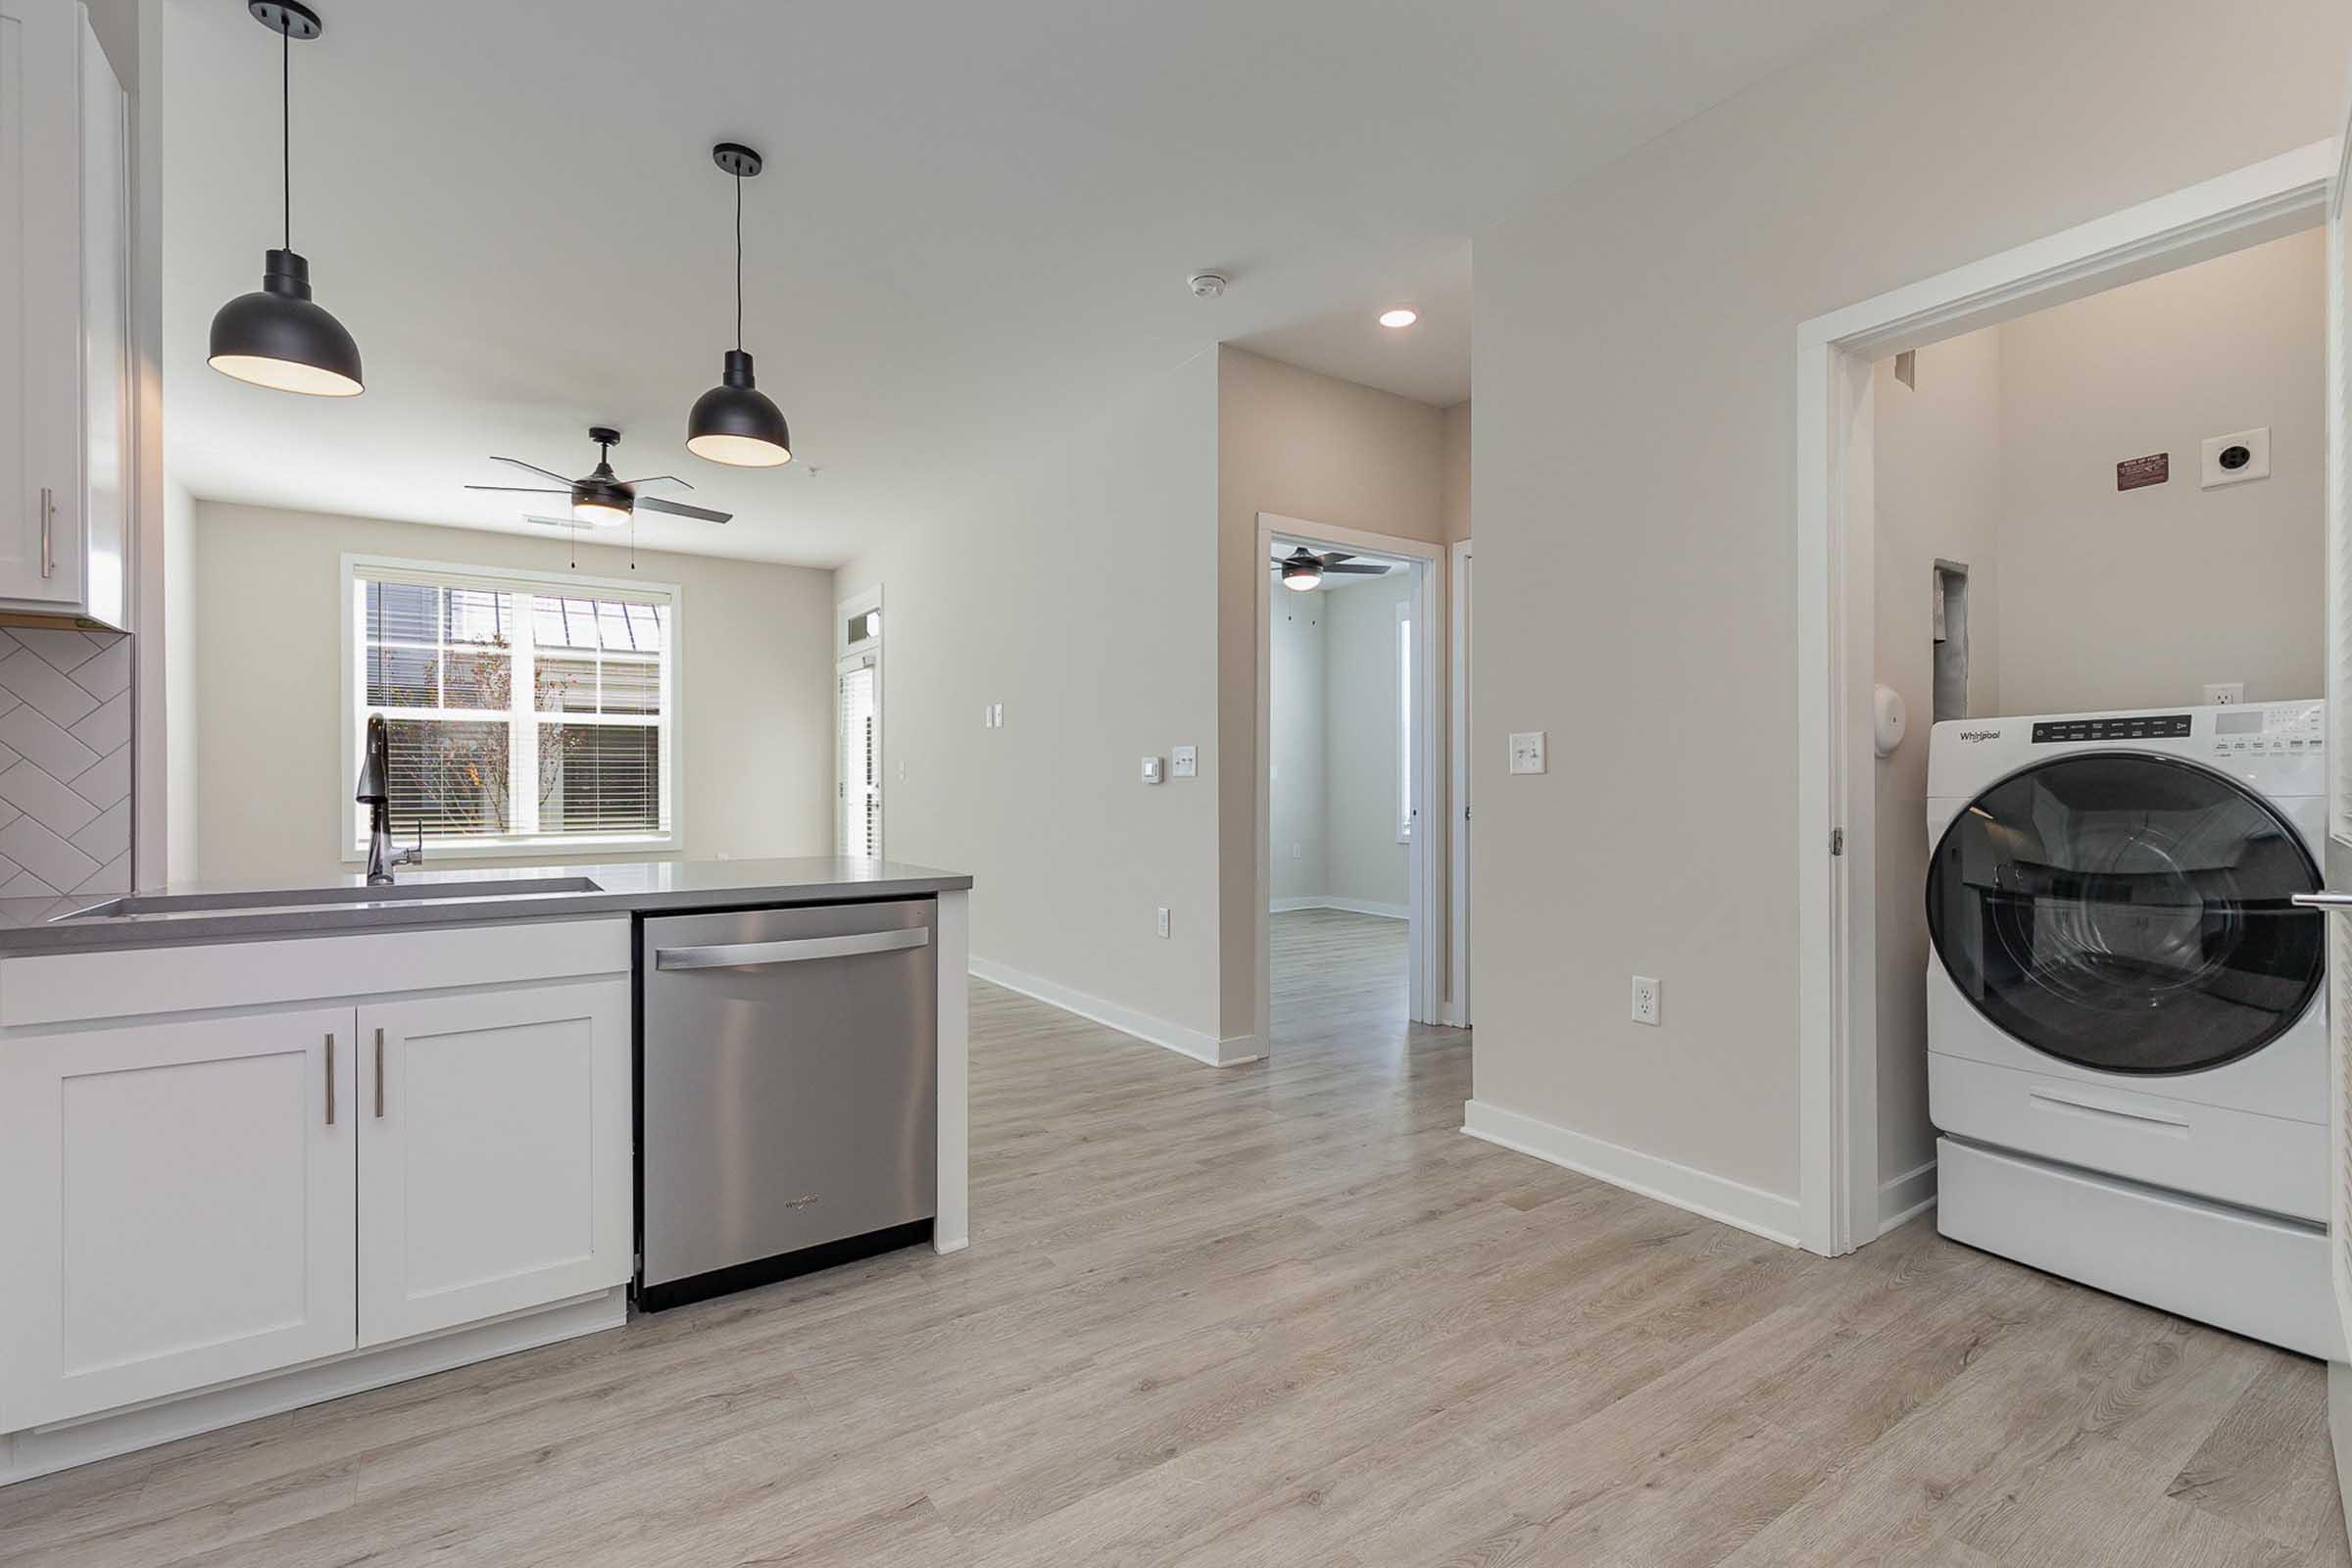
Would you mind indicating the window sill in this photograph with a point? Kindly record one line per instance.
(564, 846)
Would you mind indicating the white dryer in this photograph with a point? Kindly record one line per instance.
(2127, 1018)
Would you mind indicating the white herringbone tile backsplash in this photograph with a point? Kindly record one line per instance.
(65, 762)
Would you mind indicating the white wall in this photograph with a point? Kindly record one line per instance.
(756, 759)
(2134, 599)
(1937, 471)
(1634, 471)
(1298, 803)
(1002, 602)
(1367, 865)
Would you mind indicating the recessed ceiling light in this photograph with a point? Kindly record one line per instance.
(1400, 317)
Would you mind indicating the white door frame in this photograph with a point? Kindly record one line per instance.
(1426, 993)
(1837, 981)
(1457, 802)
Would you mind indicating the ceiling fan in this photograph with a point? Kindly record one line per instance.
(1303, 568)
(600, 499)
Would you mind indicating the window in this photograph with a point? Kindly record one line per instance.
(1404, 721)
(519, 712)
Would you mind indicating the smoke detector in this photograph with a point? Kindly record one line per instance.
(1207, 286)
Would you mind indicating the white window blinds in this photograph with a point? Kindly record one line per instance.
(517, 711)
(857, 758)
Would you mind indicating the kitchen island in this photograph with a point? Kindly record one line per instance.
(265, 1145)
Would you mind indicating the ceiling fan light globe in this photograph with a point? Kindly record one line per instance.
(599, 513)
(1301, 577)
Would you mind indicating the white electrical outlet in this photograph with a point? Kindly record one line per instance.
(2224, 692)
(1182, 763)
(1527, 752)
(1646, 1000)
(2235, 459)
(1163, 922)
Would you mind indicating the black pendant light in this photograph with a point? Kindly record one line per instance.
(735, 423)
(276, 337)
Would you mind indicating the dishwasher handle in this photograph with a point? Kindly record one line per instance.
(745, 954)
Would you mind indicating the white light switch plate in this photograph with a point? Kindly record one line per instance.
(1184, 761)
(1163, 922)
(1527, 752)
(1150, 770)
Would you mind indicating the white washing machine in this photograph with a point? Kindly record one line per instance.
(2126, 1016)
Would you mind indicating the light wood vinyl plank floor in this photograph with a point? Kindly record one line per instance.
(1281, 1314)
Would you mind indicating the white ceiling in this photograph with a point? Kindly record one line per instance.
(976, 224)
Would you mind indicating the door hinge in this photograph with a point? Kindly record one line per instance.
(1837, 841)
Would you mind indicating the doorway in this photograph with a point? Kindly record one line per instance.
(1842, 1197)
(1349, 851)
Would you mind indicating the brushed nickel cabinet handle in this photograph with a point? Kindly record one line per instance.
(48, 530)
(379, 1075)
(330, 1079)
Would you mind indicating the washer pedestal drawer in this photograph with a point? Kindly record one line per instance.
(2264, 1278)
(2264, 1162)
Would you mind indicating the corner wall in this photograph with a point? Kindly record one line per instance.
(1636, 478)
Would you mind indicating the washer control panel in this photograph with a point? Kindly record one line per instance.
(2127, 727)
(2270, 728)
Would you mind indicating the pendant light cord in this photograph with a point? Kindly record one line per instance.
(738, 262)
(285, 124)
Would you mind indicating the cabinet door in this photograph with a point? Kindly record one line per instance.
(184, 1192)
(40, 293)
(494, 1153)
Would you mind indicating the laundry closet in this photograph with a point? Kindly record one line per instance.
(2098, 557)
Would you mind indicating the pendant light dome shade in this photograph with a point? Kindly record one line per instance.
(277, 337)
(735, 423)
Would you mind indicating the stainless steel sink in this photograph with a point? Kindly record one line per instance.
(253, 900)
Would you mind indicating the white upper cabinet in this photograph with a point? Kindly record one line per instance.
(64, 317)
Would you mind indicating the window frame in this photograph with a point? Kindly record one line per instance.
(351, 842)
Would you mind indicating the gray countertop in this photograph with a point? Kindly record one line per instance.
(456, 896)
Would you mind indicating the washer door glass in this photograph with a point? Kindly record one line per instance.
(2128, 912)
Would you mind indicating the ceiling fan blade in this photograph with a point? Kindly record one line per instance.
(657, 478)
(522, 489)
(1355, 572)
(543, 473)
(679, 509)
(1332, 557)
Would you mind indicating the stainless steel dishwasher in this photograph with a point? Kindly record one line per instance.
(788, 1096)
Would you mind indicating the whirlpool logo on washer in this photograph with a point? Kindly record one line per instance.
(1980, 734)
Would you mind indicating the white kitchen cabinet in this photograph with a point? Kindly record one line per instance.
(63, 318)
(494, 1153)
(176, 1206)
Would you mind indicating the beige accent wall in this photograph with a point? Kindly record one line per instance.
(1003, 601)
(2135, 598)
(1937, 471)
(755, 754)
(1307, 445)
(1635, 482)
(1453, 456)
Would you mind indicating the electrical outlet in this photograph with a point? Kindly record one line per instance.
(1646, 1000)
(2224, 692)
(1163, 922)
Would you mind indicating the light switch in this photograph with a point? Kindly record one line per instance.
(1184, 762)
(1150, 770)
(1527, 752)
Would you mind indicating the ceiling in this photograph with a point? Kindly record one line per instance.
(975, 225)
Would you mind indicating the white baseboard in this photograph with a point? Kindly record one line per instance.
(1902, 1199)
(2339, 1428)
(1196, 1044)
(42, 1449)
(1771, 1216)
(1329, 900)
